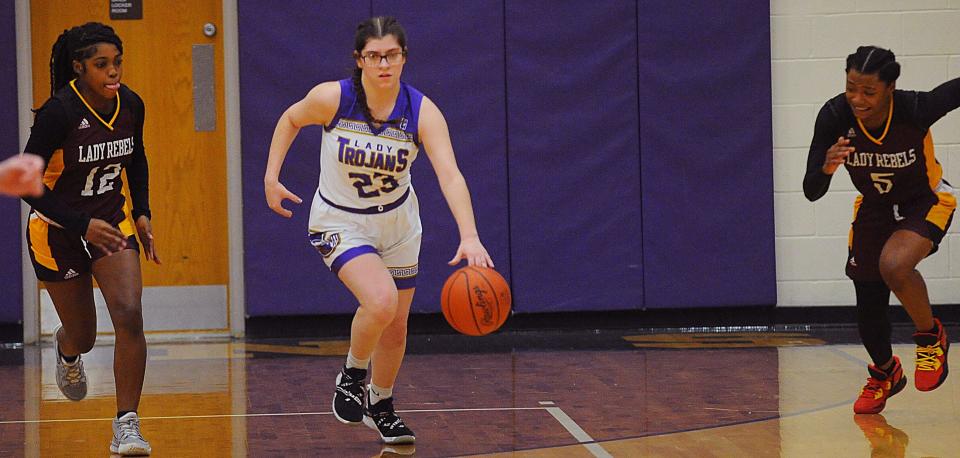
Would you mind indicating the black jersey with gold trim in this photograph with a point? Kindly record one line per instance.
(86, 153)
(892, 164)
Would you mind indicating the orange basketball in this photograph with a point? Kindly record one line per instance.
(475, 300)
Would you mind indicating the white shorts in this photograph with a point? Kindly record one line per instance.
(340, 235)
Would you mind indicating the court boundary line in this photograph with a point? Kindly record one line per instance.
(681, 431)
(265, 414)
(576, 431)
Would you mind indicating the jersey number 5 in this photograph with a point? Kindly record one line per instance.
(362, 181)
(110, 172)
(882, 182)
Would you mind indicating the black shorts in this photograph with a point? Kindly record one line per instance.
(58, 255)
(873, 224)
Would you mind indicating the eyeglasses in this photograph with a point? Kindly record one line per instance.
(372, 59)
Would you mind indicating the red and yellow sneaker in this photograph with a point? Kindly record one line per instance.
(880, 386)
(932, 347)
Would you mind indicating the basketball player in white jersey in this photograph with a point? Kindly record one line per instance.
(364, 220)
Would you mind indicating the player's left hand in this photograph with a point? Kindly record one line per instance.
(473, 251)
(145, 231)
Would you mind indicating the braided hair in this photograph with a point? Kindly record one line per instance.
(375, 27)
(873, 60)
(77, 44)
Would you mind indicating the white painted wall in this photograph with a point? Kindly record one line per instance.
(810, 40)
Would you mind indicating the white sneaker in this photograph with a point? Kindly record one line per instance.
(71, 379)
(127, 440)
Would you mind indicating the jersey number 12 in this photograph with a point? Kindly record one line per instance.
(110, 172)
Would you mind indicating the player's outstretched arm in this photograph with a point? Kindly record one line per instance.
(436, 140)
(317, 108)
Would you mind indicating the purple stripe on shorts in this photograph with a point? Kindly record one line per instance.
(350, 254)
(406, 282)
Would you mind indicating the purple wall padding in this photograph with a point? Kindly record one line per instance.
(284, 52)
(284, 274)
(639, 171)
(11, 293)
(706, 153)
(574, 167)
(463, 75)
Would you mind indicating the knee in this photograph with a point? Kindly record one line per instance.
(128, 318)
(382, 307)
(895, 273)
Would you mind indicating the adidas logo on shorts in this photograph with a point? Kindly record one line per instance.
(83, 124)
(70, 274)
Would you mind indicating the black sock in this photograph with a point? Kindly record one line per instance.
(121, 413)
(873, 323)
(68, 359)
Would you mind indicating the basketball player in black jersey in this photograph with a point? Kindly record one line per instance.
(88, 132)
(882, 136)
(21, 175)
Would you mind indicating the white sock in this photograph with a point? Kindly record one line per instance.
(355, 363)
(378, 393)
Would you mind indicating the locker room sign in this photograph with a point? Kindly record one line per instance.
(126, 9)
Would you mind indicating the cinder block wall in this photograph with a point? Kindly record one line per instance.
(810, 40)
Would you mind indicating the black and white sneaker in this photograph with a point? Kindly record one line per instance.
(382, 418)
(348, 399)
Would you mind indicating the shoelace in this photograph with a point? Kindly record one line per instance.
(130, 429)
(74, 373)
(352, 389)
(928, 357)
(351, 395)
(872, 388)
(349, 383)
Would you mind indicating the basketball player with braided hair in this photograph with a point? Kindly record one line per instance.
(88, 132)
(365, 220)
(882, 136)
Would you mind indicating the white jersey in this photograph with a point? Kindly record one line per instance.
(365, 168)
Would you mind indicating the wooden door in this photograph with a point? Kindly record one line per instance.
(188, 175)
